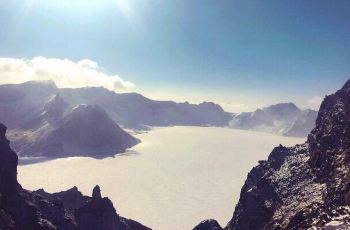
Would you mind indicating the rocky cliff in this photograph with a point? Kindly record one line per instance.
(306, 186)
(22, 209)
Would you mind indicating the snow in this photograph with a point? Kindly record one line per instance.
(174, 179)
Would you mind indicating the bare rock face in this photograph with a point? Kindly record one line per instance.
(69, 210)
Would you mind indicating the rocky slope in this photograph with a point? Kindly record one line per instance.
(68, 210)
(306, 186)
(284, 119)
(41, 123)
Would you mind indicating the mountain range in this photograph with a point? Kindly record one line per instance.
(46, 121)
(284, 119)
(132, 110)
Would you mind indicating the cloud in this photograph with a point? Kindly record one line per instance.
(64, 72)
(315, 102)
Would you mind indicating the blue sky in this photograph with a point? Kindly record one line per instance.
(241, 54)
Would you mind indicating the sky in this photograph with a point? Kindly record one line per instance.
(240, 54)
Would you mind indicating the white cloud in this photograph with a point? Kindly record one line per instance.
(64, 72)
(315, 102)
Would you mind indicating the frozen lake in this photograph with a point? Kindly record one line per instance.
(175, 178)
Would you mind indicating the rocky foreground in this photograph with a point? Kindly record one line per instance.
(303, 187)
(22, 209)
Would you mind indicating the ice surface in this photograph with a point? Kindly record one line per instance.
(174, 179)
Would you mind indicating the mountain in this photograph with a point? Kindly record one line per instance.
(39, 210)
(45, 121)
(135, 111)
(85, 130)
(284, 119)
(42, 124)
(306, 186)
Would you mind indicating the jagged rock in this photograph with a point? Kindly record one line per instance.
(208, 225)
(96, 192)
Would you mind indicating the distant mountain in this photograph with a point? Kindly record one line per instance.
(41, 123)
(302, 187)
(46, 121)
(21, 209)
(135, 111)
(283, 119)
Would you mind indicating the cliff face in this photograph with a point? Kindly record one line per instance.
(307, 185)
(22, 209)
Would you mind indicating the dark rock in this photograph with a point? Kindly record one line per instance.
(8, 166)
(208, 225)
(96, 192)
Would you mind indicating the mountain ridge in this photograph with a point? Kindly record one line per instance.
(283, 118)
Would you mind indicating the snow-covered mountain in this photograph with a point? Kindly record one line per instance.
(41, 123)
(284, 119)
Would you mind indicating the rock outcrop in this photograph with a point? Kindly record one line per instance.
(208, 225)
(68, 210)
